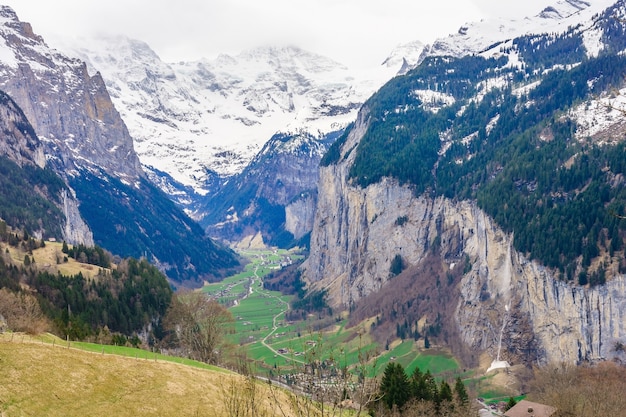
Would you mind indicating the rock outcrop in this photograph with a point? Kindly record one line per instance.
(357, 233)
(69, 109)
(274, 194)
(20, 144)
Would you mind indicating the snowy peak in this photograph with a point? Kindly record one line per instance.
(403, 57)
(477, 37)
(289, 58)
(8, 18)
(70, 110)
(564, 9)
(193, 119)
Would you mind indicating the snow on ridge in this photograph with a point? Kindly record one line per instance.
(433, 101)
(600, 118)
(486, 36)
(188, 118)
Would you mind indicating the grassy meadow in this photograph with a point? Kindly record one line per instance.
(50, 258)
(39, 378)
(276, 345)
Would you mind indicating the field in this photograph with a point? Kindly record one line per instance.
(43, 376)
(278, 346)
(46, 260)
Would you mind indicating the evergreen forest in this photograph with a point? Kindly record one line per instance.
(512, 149)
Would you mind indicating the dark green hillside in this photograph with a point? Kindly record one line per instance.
(558, 196)
(142, 221)
(27, 198)
(124, 300)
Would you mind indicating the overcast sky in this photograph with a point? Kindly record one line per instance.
(354, 32)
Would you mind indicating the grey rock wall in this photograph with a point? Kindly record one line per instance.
(357, 232)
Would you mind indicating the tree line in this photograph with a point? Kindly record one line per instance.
(419, 394)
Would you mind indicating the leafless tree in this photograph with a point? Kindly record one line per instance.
(198, 324)
(22, 312)
(582, 391)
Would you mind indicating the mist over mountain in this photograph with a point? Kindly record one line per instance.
(485, 186)
(78, 133)
(192, 119)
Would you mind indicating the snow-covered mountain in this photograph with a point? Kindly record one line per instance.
(489, 35)
(76, 131)
(191, 119)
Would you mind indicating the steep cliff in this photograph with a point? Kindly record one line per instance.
(34, 197)
(475, 199)
(69, 109)
(86, 142)
(274, 196)
(359, 231)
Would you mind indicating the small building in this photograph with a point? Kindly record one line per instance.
(530, 409)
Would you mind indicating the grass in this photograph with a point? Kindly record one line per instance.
(46, 260)
(38, 378)
(256, 314)
(41, 379)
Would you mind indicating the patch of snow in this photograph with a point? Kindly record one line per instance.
(433, 101)
(592, 41)
(603, 114)
(495, 364)
(525, 89)
(492, 123)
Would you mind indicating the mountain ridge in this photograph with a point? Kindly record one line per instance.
(86, 143)
(476, 162)
(215, 115)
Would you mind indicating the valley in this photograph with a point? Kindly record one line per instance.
(339, 242)
(277, 347)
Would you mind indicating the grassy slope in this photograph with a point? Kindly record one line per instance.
(39, 379)
(45, 260)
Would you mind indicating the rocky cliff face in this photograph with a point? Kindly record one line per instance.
(69, 109)
(20, 144)
(75, 230)
(357, 233)
(274, 194)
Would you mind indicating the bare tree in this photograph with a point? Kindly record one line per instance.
(199, 325)
(22, 312)
(582, 391)
(242, 395)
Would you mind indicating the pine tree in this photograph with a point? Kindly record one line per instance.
(394, 387)
(461, 393)
(445, 392)
(510, 404)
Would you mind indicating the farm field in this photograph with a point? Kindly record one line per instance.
(276, 345)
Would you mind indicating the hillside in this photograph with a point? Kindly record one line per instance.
(41, 379)
(73, 149)
(478, 199)
(274, 197)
